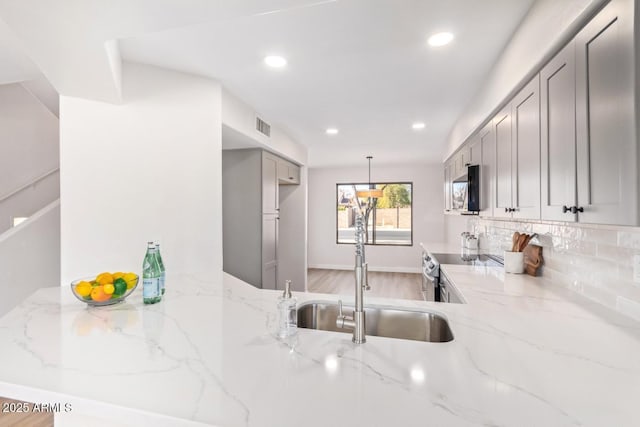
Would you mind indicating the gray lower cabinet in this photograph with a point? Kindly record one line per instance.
(250, 216)
(269, 251)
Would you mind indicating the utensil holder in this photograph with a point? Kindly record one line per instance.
(513, 262)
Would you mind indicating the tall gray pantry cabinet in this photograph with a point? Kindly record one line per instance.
(251, 213)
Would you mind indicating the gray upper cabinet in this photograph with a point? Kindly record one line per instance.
(475, 151)
(558, 148)
(487, 170)
(503, 137)
(525, 152)
(288, 173)
(565, 147)
(447, 185)
(462, 161)
(516, 138)
(605, 119)
(270, 197)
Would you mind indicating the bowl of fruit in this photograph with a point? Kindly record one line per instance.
(105, 288)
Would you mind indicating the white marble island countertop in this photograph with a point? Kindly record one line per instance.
(525, 353)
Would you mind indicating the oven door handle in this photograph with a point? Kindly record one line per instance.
(429, 278)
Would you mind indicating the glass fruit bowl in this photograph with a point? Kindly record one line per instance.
(105, 288)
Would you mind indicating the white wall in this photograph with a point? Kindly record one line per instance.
(29, 200)
(548, 24)
(30, 257)
(147, 169)
(455, 224)
(41, 88)
(242, 118)
(29, 148)
(428, 220)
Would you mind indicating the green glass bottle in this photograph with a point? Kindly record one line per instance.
(151, 276)
(163, 274)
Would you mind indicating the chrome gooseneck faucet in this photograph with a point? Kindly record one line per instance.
(356, 322)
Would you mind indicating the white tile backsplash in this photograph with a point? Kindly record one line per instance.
(594, 260)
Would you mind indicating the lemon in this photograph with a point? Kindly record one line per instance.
(104, 278)
(83, 288)
(109, 289)
(131, 279)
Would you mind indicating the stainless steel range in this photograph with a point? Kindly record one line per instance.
(435, 284)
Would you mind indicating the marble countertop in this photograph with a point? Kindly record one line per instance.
(525, 353)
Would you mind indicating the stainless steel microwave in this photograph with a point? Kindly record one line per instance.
(465, 191)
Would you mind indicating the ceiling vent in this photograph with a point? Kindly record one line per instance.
(263, 127)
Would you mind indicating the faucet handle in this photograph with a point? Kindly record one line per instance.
(365, 276)
(341, 318)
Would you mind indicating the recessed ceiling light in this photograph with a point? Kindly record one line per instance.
(275, 61)
(440, 39)
(332, 131)
(418, 126)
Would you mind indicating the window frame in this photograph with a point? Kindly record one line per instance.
(410, 244)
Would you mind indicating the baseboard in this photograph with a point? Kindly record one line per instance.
(371, 268)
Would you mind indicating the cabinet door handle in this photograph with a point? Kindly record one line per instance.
(575, 209)
(566, 209)
(506, 210)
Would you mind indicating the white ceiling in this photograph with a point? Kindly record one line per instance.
(362, 66)
(15, 65)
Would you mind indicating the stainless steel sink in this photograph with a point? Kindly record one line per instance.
(380, 321)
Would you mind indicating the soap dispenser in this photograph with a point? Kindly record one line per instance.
(287, 313)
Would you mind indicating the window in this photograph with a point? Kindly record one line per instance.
(389, 219)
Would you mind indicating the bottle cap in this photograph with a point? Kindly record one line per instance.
(287, 289)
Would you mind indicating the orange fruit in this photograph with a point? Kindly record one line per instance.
(104, 278)
(83, 288)
(98, 294)
(117, 275)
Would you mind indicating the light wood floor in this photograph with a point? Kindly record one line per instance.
(386, 285)
(22, 419)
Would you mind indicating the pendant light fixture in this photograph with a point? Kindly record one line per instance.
(371, 192)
